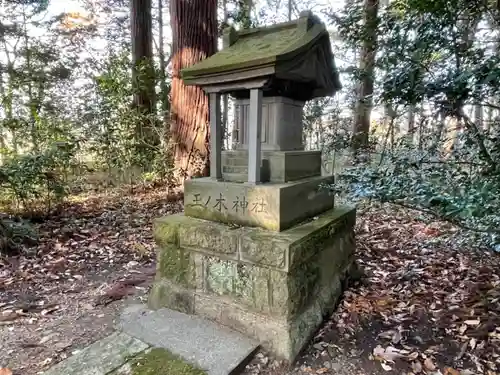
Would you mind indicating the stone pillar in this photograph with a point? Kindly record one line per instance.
(254, 136)
(215, 137)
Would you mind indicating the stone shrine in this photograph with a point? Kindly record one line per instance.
(260, 247)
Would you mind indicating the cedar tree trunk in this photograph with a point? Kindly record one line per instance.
(194, 32)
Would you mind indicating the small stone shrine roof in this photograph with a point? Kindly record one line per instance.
(291, 59)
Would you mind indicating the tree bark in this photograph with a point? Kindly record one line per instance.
(143, 74)
(142, 55)
(163, 65)
(194, 33)
(365, 89)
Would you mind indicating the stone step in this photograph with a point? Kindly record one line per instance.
(216, 349)
(235, 177)
(102, 357)
(235, 169)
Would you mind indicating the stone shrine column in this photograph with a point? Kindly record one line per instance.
(254, 136)
(215, 137)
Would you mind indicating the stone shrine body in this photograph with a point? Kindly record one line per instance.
(260, 247)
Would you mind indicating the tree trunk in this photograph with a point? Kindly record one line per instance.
(390, 124)
(194, 33)
(365, 89)
(142, 55)
(245, 13)
(143, 74)
(411, 123)
(163, 65)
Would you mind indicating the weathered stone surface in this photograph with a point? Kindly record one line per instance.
(277, 288)
(166, 229)
(209, 236)
(220, 275)
(165, 293)
(264, 248)
(278, 166)
(282, 335)
(100, 358)
(271, 206)
(177, 264)
(207, 345)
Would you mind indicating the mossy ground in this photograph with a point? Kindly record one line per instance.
(162, 362)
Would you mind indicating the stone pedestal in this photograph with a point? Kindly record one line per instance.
(273, 286)
(272, 206)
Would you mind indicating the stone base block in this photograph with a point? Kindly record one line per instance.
(277, 166)
(274, 287)
(271, 206)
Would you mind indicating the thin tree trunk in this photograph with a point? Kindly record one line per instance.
(365, 90)
(142, 55)
(3, 143)
(489, 120)
(143, 74)
(389, 123)
(245, 10)
(478, 116)
(194, 33)
(31, 95)
(163, 74)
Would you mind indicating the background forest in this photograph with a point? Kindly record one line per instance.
(91, 100)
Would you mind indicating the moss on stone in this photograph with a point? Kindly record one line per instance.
(176, 264)
(161, 362)
(165, 230)
(257, 47)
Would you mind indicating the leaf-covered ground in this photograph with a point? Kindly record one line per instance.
(65, 293)
(429, 303)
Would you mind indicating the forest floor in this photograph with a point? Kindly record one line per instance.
(429, 303)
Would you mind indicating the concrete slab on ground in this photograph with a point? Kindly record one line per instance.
(102, 357)
(209, 346)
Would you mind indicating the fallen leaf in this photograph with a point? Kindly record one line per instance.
(386, 367)
(429, 365)
(474, 322)
(462, 329)
(397, 337)
(5, 371)
(451, 371)
(416, 367)
(413, 356)
(473, 343)
(49, 310)
(9, 317)
(322, 370)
